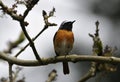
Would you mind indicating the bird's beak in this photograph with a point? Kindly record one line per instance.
(73, 21)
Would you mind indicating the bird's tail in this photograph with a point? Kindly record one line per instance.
(65, 68)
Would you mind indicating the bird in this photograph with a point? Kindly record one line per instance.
(63, 42)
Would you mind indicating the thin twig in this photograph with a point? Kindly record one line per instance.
(10, 12)
(97, 51)
(16, 72)
(90, 73)
(52, 76)
(47, 24)
(32, 40)
(23, 23)
(30, 5)
(10, 72)
(21, 20)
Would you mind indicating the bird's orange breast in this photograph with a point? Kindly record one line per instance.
(63, 41)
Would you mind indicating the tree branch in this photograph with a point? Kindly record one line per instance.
(21, 19)
(45, 27)
(10, 12)
(30, 5)
(10, 72)
(16, 73)
(30, 41)
(52, 76)
(47, 24)
(90, 73)
(22, 22)
(70, 58)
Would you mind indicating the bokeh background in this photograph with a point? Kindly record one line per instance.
(86, 13)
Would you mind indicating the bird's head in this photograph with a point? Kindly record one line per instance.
(66, 25)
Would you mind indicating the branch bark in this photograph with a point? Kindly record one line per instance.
(30, 41)
(10, 12)
(10, 72)
(90, 73)
(70, 58)
(21, 20)
(52, 76)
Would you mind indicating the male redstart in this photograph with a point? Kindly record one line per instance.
(63, 42)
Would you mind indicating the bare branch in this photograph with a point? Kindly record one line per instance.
(23, 23)
(90, 73)
(30, 5)
(30, 41)
(16, 72)
(52, 60)
(10, 12)
(98, 51)
(47, 24)
(52, 76)
(10, 72)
